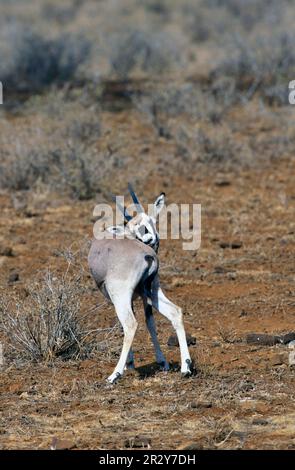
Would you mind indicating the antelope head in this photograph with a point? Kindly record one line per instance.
(142, 226)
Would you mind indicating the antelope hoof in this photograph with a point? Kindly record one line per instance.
(114, 377)
(187, 370)
(164, 365)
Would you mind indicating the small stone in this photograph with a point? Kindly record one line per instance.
(224, 245)
(259, 422)
(243, 314)
(232, 276)
(201, 404)
(13, 277)
(236, 245)
(62, 444)
(262, 339)
(139, 442)
(222, 182)
(291, 345)
(6, 251)
(220, 270)
(173, 340)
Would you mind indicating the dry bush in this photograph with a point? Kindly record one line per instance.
(30, 62)
(48, 324)
(152, 53)
(73, 170)
(219, 431)
(263, 64)
(186, 101)
(249, 12)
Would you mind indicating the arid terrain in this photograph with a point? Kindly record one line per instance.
(204, 133)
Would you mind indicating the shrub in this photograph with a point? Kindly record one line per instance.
(30, 62)
(73, 170)
(47, 324)
(262, 64)
(21, 170)
(187, 101)
(151, 52)
(249, 12)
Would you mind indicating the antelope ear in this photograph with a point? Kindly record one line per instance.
(116, 229)
(159, 204)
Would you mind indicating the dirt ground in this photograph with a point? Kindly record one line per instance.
(242, 395)
(189, 97)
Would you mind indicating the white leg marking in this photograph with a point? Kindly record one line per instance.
(174, 314)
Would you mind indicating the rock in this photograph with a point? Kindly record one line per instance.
(222, 182)
(138, 442)
(6, 251)
(62, 444)
(236, 245)
(292, 358)
(243, 314)
(277, 359)
(201, 404)
(13, 277)
(173, 340)
(259, 422)
(291, 345)
(232, 276)
(262, 339)
(220, 270)
(224, 245)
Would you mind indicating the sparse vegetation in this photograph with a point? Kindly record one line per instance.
(30, 62)
(153, 53)
(46, 325)
(49, 324)
(189, 97)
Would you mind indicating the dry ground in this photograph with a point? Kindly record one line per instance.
(242, 396)
(214, 127)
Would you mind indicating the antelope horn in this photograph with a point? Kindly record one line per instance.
(139, 207)
(122, 209)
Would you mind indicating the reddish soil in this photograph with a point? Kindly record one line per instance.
(242, 395)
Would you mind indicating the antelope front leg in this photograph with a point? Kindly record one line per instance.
(174, 314)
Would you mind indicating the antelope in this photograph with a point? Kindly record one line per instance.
(127, 267)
